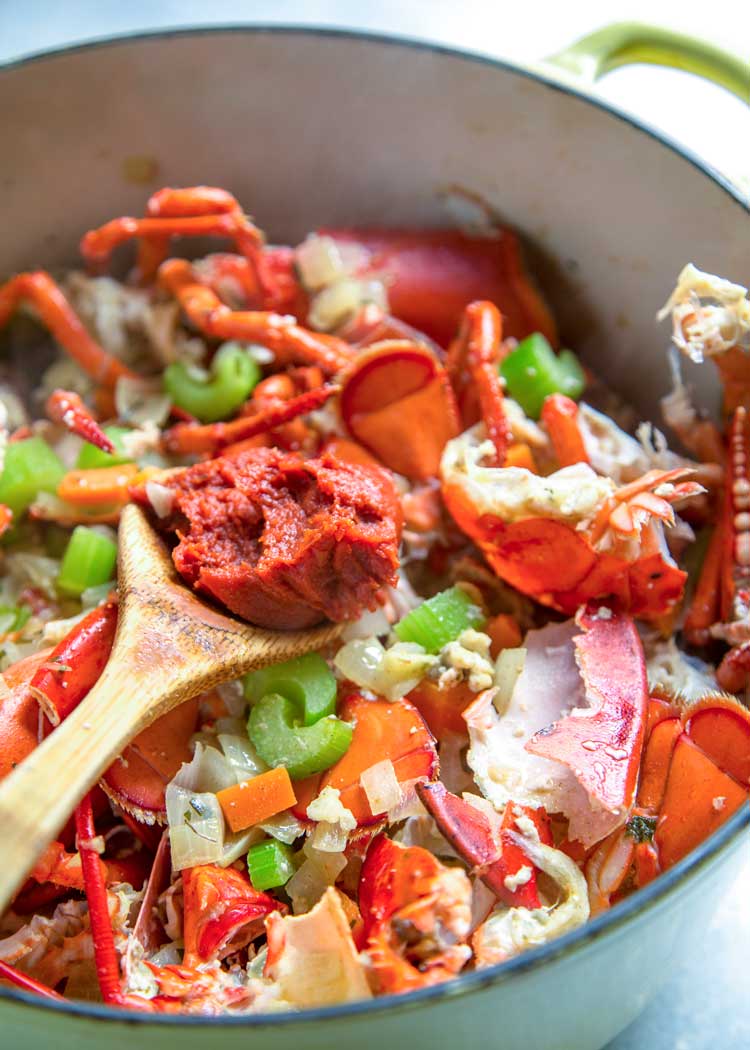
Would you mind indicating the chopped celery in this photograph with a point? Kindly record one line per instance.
(216, 396)
(571, 375)
(439, 620)
(270, 864)
(30, 467)
(281, 740)
(533, 371)
(90, 457)
(89, 560)
(307, 681)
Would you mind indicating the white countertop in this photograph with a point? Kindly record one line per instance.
(705, 1003)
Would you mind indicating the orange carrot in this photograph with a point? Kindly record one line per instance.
(257, 799)
(103, 485)
(504, 633)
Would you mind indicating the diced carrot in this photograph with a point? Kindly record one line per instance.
(257, 799)
(104, 485)
(504, 633)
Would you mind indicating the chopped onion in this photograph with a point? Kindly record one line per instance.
(34, 570)
(380, 785)
(319, 262)
(55, 630)
(160, 497)
(241, 755)
(391, 673)
(284, 826)
(317, 872)
(141, 401)
(237, 844)
(329, 838)
(508, 667)
(338, 301)
(233, 696)
(196, 827)
(369, 625)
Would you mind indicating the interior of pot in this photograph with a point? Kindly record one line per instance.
(315, 128)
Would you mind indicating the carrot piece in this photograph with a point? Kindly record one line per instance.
(504, 633)
(101, 486)
(257, 799)
(519, 454)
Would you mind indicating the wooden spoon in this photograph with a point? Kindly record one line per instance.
(169, 647)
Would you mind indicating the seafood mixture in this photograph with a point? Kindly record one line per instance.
(538, 702)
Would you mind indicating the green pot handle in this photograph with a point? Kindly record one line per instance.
(628, 43)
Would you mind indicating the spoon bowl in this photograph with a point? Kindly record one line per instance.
(169, 647)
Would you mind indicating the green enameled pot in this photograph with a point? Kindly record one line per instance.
(321, 128)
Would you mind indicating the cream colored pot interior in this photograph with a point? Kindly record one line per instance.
(309, 129)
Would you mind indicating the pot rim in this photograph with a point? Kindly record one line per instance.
(711, 849)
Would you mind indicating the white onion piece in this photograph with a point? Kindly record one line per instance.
(369, 625)
(380, 785)
(55, 630)
(284, 826)
(317, 872)
(241, 755)
(337, 302)
(234, 698)
(160, 497)
(508, 667)
(141, 401)
(319, 262)
(196, 827)
(391, 672)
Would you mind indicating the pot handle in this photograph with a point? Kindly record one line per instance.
(628, 43)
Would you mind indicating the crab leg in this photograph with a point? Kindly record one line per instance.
(57, 315)
(289, 341)
(66, 407)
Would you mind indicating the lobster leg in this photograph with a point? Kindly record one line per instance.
(289, 341)
(105, 955)
(472, 361)
(66, 407)
(188, 438)
(57, 315)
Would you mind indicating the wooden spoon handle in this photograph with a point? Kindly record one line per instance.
(39, 796)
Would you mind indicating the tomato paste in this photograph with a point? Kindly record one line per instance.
(282, 541)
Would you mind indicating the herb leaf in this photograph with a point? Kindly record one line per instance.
(641, 828)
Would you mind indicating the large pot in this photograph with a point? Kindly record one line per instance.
(315, 128)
